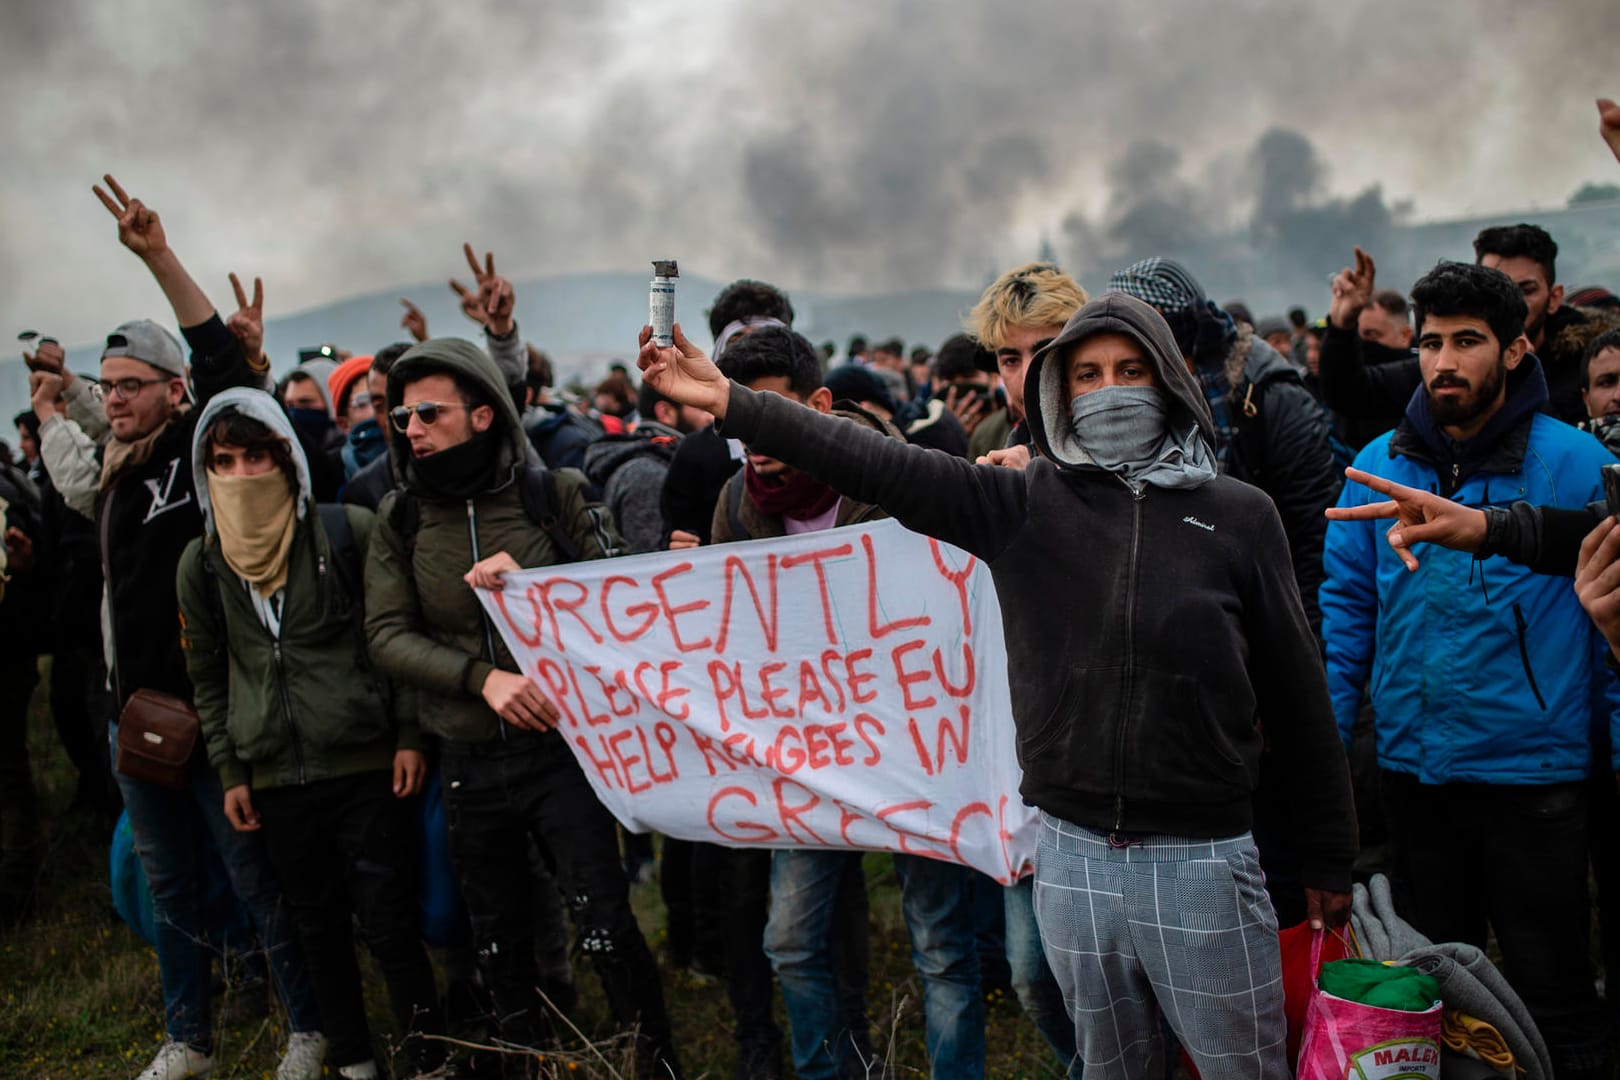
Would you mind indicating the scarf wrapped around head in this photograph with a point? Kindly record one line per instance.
(1126, 430)
(255, 518)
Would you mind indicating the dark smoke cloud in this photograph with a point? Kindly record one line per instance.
(340, 146)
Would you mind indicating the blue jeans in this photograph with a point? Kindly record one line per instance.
(171, 828)
(1032, 979)
(935, 899)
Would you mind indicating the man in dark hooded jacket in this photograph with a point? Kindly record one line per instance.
(460, 460)
(1138, 737)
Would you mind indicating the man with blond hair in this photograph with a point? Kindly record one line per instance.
(1021, 311)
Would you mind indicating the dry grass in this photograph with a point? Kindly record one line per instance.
(79, 991)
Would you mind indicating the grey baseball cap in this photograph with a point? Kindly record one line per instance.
(145, 340)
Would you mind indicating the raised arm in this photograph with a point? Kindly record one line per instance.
(1351, 386)
(219, 359)
(490, 304)
(1546, 539)
(141, 231)
(976, 507)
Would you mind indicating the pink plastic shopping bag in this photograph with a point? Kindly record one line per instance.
(1346, 1040)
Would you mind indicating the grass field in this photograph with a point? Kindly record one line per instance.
(79, 991)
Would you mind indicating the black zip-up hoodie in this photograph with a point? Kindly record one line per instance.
(1149, 639)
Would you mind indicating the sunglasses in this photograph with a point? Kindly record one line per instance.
(426, 411)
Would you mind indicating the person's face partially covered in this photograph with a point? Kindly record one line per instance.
(768, 468)
(1105, 360)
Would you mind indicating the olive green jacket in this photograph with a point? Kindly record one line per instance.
(304, 706)
(423, 620)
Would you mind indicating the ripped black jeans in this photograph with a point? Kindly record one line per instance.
(497, 795)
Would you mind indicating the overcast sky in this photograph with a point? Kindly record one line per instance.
(336, 147)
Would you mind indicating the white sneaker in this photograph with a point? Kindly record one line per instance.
(177, 1061)
(365, 1070)
(302, 1061)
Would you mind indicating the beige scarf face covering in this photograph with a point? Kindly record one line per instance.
(255, 517)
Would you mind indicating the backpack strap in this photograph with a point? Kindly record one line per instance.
(351, 579)
(345, 559)
(405, 517)
(216, 603)
(541, 504)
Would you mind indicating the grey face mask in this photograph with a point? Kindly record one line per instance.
(1125, 430)
(1121, 428)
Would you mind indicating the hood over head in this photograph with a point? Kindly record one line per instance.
(1046, 383)
(459, 357)
(266, 410)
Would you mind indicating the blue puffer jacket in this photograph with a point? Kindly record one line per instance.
(1480, 672)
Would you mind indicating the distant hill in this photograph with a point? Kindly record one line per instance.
(586, 321)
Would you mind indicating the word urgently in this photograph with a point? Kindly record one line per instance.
(842, 689)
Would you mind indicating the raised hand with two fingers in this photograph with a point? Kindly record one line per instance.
(247, 322)
(1421, 517)
(491, 301)
(414, 322)
(139, 228)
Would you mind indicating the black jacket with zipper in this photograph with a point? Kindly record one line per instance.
(1149, 638)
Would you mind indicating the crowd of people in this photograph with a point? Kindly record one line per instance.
(1236, 688)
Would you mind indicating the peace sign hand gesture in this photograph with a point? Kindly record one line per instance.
(1352, 291)
(490, 305)
(414, 322)
(248, 321)
(138, 226)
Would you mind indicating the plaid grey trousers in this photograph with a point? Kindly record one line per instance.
(1169, 926)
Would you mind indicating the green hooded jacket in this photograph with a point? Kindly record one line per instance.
(301, 707)
(424, 623)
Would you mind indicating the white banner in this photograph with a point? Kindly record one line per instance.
(842, 689)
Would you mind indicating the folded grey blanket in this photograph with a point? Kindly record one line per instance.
(1470, 983)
